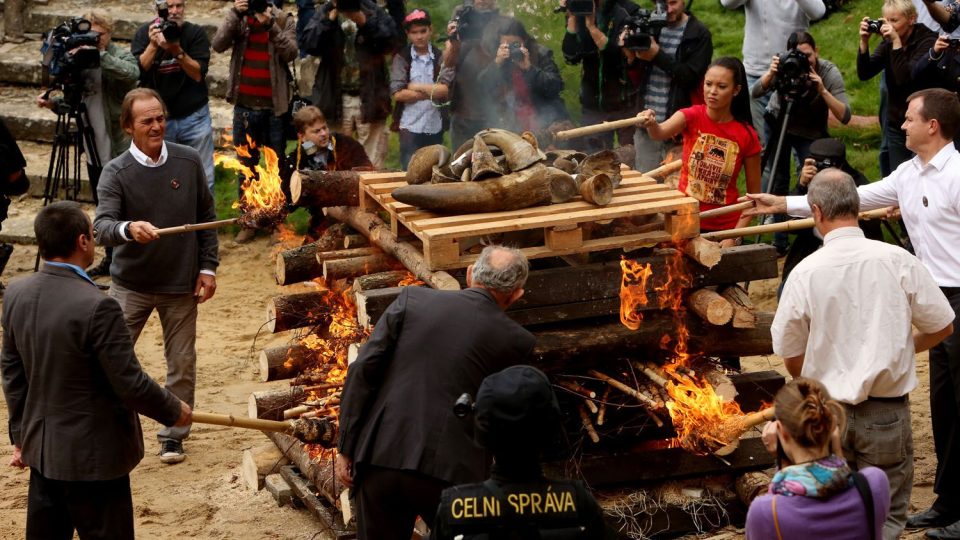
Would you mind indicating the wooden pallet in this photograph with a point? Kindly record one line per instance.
(561, 223)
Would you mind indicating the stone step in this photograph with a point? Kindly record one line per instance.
(38, 166)
(20, 64)
(128, 16)
(27, 122)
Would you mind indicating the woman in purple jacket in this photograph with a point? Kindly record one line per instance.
(814, 494)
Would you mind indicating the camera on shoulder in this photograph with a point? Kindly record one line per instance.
(67, 50)
(643, 27)
(169, 29)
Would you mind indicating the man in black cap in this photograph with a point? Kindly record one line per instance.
(518, 419)
(824, 153)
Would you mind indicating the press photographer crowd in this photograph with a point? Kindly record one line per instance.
(325, 84)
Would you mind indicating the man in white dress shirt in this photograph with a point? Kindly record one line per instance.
(927, 190)
(846, 319)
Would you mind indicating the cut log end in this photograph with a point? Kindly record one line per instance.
(296, 186)
(710, 306)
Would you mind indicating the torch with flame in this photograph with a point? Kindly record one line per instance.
(262, 203)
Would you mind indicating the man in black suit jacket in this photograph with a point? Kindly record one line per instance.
(400, 443)
(73, 387)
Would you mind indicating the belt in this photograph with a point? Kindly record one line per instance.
(897, 399)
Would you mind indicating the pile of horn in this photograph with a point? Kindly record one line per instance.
(498, 170)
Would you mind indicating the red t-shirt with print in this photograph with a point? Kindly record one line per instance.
(713, 155)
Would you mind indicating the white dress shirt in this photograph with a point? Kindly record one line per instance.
(849, 309)
(929, 200)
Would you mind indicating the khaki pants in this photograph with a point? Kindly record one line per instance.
(178, 319)
(879, 435)
(373, 135)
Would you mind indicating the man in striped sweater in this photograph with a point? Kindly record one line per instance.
(264, 40)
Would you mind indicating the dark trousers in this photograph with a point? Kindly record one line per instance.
(389, 501)
(945, 413)
(410, 142)
(264, 128)
(778, 182)
(102, 509)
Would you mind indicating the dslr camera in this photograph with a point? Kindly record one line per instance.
(61, 68)
(793, 74)
(516, 55)
(873, 26)
(826, 163)
(256, 6)
(169, 29)
(577, 8)
(644, 26)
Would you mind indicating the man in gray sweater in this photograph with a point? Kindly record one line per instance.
(158, 184)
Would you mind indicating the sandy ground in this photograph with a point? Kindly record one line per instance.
(204, 496)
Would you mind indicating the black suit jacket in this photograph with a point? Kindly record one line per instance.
(72, 381)
(428, 348)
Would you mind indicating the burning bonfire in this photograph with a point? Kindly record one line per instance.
(262, 204)
(704, 421)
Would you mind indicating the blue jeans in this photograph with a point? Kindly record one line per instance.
(263, 127)
(195, 130)
(757, 107)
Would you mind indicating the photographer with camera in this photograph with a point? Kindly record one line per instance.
(399, 439)
(941, 65)
(592, 41)
(102, 87)
(904, 43)
(352, 86)
(13, 181)
(174, 55)
(672, 70)
(524, 80)
(469, 50)
(263, 41)
(767, 21)
(801, 77)
(517, 419)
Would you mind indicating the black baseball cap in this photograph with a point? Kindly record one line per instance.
(516, 410)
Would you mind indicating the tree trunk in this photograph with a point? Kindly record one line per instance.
(352, 241)
(744, 312)
(380, 280)
(319, 473)
(258, 462)
(300, 264)
(270, 404)
(316, 189)
(710, 306)
(323, 256)
(299, 310)
(379, 233)
(534, 186)
(357, 266)
(284, 362)
(703, 251)
(570, 346)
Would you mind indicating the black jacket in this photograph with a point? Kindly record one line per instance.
(899, 69)
(603, 84)
(375, 39)
(543, 81)
(686, 68)
(427, 349)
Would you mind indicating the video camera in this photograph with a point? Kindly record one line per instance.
(793, 74)
(169, 29)
(873, 26)
(644, 26)
(577, 8)
(67, 50)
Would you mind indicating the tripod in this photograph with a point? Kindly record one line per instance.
(73, 136)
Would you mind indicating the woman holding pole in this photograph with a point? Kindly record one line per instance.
(718, 141)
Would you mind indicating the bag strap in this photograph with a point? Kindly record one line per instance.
(776, 522)
(863, 486)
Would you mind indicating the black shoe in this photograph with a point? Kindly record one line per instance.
(950, 532)
(171, 452)
(930, 518)
(102, 269)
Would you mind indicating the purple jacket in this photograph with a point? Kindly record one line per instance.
(842, 517)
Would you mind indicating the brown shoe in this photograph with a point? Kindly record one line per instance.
(245, 235)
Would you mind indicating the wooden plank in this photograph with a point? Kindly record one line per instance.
(329, 516)
(664, 464)
(441, 253)
(556, 238)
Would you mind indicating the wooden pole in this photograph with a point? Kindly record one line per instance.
(190, 227)
(792, 225)
(379, 233)
(241, 422)
(724, 210)
(602, 127)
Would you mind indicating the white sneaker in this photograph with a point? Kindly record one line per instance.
(171, 452)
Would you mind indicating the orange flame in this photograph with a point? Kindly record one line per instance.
(263, 202)
(409, 280)
(697, 412)
(633, 291)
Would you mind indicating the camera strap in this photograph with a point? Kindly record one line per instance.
(860, 481)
